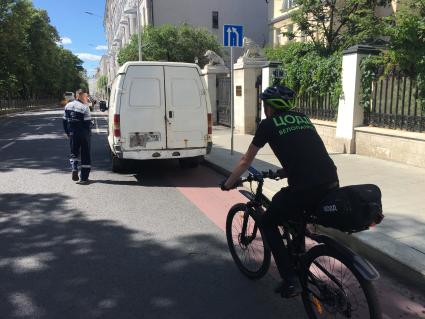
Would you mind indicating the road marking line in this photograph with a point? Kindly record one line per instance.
(7, 145)
(97, 126)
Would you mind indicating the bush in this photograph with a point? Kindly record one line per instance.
(307, 70)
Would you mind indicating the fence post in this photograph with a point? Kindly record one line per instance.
(350, 112)
(245, 93)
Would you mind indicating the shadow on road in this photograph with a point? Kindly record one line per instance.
(56, 263)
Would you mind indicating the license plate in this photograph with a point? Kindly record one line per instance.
(142, 139)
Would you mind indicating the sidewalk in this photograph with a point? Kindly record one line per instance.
(398, 243)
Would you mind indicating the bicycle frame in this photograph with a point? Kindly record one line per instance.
(295, 236)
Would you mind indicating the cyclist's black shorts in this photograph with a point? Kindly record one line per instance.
(288, 204)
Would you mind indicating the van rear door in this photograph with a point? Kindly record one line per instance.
(142, 108)
(186, 108)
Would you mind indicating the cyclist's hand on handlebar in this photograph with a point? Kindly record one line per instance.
(276, 175)
(224, 188)
(281, 173)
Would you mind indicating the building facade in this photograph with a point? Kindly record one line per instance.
(120, 19)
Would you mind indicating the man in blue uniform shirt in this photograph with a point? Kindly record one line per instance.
(77, 125)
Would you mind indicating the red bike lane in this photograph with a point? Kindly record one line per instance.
(200, 186)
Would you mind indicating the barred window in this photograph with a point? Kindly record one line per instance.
(288, 4)
(215, 19)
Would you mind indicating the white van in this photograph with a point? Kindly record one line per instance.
(159, 110)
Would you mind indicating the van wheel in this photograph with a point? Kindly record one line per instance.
(190, 162)
(117, 164)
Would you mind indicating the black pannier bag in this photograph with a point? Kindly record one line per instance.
(350, 209)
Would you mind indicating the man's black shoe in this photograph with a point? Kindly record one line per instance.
(84, 182)
(289, 289)
(75, 176)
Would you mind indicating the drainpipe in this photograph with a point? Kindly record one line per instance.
(153, 21)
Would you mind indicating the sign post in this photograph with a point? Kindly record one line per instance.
(232, 37)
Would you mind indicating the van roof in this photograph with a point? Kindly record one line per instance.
(124, 67)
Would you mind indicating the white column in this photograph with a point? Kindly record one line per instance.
(133, 24)
(246, 103)
(350, 112)
(126, 34)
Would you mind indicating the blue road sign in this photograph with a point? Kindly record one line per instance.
(232, 35)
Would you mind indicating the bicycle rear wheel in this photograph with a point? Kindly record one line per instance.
(335, 289)
(246, 244)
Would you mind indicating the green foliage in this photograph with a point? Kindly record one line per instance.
(171, 43)
(102, 83)
(31, 63)
(406, 49)
(309, 71)
(333, 25)
(370, 68)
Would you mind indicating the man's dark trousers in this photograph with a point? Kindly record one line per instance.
(80, 142)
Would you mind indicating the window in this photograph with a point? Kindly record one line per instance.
(288, 4)
(145, 92)
(215, 19)
(185, 93)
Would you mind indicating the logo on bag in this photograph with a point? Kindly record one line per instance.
(330, 209)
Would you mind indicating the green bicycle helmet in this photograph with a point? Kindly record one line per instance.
(279, 97)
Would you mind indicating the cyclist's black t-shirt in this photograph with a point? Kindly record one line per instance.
(299, 148)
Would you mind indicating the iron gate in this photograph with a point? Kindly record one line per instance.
(223, 101)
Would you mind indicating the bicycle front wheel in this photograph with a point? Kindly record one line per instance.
(335, 289)
(246, 244)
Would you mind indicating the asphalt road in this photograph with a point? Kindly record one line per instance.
(145, 244)
(126, 246)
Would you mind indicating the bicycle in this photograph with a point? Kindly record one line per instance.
(328, 271)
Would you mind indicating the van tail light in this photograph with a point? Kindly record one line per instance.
(117, 130)
(209, 123)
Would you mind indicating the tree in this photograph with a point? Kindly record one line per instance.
(31, 63)
(333, 25)
(171, 43)
(406, 32)
(102, 84)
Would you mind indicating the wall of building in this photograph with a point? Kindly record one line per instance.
(327, 131)
(120, 26)
(252, 16)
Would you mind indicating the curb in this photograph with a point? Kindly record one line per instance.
(389, 264)
(33, 109)
(216, 168)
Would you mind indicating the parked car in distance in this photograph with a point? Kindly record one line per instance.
(102, 106)
(92, 103)
(69, 96)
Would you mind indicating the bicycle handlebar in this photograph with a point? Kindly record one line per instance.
(257, 176)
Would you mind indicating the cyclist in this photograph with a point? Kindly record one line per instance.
(311, 173)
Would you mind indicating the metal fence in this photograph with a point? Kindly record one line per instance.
(395, 104)
(223, 101)
(321, 108)
(17, 105)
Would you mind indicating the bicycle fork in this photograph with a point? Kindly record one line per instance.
(247, 239)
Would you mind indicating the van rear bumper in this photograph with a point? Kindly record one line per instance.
(163, 154)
